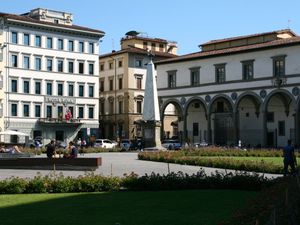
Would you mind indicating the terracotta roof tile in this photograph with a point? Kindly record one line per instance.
(248, 36)
(234, 50)
(138, 51)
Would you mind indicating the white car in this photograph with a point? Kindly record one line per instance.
(104, 143)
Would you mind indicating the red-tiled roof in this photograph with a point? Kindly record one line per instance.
(249, 36)
(138, 51)
(24, 18)
(247, 48)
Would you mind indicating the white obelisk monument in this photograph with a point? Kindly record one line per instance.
(151, 118)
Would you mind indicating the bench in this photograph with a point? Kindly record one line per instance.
(32, 163)
(15, 155)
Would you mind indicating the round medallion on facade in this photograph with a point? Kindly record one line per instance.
(263, 93)
(207, 98)
(182, 100)
(234, 96)
(295, 91)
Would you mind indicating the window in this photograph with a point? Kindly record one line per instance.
(37, 111)
(102, 85)
(26, 62)
(171, 79)
(26, 110)
(91, 68)
(14, 60)
(71, 46)
(71, 90)
(81, 46)
(81, 90)
(139, 82)
(139, 106)
(153, 46)
(145, 44)
(195, 129)
(111, 65)
(80, 67)
(14, 86)
(71, 110)
(60, 65)
(102, 108)
(59, 111)
(111, 107)
(14, 37)
(71, 67)
(102, 67)
(80, 112)
(38, 63)
(26, 40)
(111, 84)
(220, 107)
(38, 41)
(91, 91)
(120, 107)
(49, 64)
(60, 44)
(49, 42)
(91, 112)
(270, 117)
(120, 63)
(161, 47)
(60, 89)
(26, 86)
(49, 111)
(14, 109)
(281, 128)
(220, 73)
(38, 87)
(279, 66)
(247, 69)
(195, 76)
(120, 83)
(91, 48)
(49, 88)
(138, 63)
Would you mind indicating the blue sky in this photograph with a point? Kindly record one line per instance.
(189, 22)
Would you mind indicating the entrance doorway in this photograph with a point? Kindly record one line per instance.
(223, 129)
(59, 135)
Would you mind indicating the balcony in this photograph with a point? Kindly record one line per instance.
(59, 121)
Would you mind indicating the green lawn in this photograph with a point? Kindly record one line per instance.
(203, 207)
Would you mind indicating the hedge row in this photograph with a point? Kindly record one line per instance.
(96, 183)
(225, 163)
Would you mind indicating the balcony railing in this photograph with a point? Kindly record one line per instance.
(59, 121)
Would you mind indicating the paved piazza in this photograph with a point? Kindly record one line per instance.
(116, 164)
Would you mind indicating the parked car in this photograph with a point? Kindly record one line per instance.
(104, 143)
(36, 141)
(171, 144)
(125, 144)
(200, 144)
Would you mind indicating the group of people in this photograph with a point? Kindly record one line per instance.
(51, 150)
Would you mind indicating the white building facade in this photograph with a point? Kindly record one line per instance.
(244, 88)
(51, 75)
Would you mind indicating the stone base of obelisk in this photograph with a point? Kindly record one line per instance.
(151, 135)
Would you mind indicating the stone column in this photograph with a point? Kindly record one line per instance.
(185, 133)
(209, 135)
(264, 128)
(236, 121)
(297, 128)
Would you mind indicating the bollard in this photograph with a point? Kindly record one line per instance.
(168, 168)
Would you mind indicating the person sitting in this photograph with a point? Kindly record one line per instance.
(12, 150)
(73, 151)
